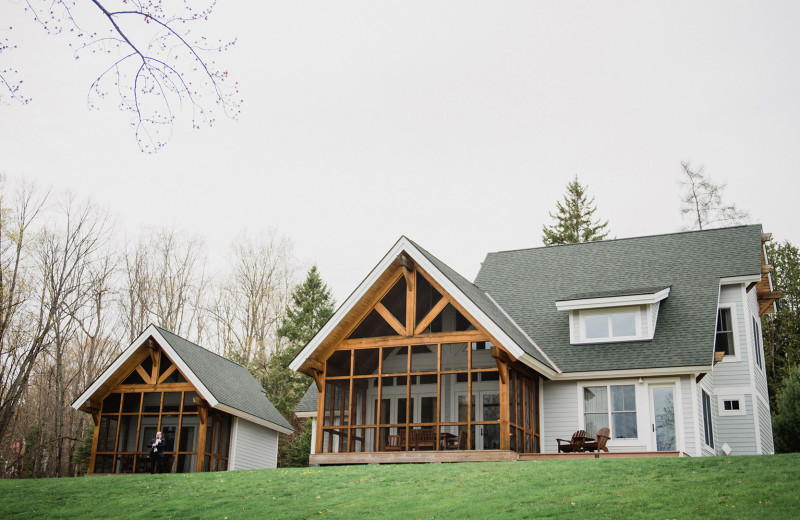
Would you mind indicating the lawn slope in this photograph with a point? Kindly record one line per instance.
(719, 487)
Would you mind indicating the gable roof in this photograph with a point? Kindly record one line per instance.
(528, 282)
(308, 404)
(227, 386)
(480, 306)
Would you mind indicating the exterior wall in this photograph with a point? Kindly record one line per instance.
(253, 446)
(707, 386)
(688, 438)
(741, 377)
(559, 413)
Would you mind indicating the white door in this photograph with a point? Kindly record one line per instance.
(487, 406)
(662, 418)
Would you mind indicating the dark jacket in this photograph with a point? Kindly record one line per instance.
(159, 451)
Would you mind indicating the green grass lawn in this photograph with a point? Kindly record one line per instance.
(719, 487)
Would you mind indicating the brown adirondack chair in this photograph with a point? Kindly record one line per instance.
(573, 445)
(599, 442)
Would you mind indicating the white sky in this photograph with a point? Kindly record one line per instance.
(455, 123)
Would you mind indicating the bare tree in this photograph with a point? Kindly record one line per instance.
(60, 258)
(154, 64)
(165, 283)
(252, 300)
(702, 201)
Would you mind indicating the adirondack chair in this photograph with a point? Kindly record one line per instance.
(573, 445)
(599, 443)
(458, 442)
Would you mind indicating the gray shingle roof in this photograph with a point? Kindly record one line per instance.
(309, 401)
(230, 383)
(528, 282)
(479, 298)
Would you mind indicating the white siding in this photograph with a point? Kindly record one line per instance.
(253, 446)
(705, 385)
(738, 431)
(735, 370)
(765, 419)
(559, 413)
(688, 433)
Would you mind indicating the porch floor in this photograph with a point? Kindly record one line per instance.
(421, 457)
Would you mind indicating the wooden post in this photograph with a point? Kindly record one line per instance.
(95, 437)
(505, 419)
(202, 414)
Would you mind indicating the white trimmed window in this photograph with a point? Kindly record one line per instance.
(725, 332)
(731, 405)
(708, 428)
(618, 324)
(757, 342)
(610, 406)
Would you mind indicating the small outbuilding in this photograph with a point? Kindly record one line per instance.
(213, 414)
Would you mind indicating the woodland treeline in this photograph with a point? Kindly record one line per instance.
(73, 295)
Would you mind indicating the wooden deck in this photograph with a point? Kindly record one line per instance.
(422, 457)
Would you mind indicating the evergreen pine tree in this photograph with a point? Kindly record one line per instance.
(573, 219)
(786, 421)
(311, 306)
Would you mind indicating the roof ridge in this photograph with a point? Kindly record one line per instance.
(624, 238)
(162, 330)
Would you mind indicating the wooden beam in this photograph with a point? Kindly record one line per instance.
(501, 358)
(167, 373)
(390, 319)
(408, 267)
(770, 295)
(765, 237)
(699, 377)
(439, 307)
(750, 287)
(318, 379)
(202, 413)
(142, 372)
(765, 269)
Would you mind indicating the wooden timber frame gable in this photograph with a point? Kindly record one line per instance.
(149, 393)
(407, 333)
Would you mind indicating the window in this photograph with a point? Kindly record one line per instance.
(620, 324)
(611, 407)
(756, 342)
(707, 427)
(724, 342)
(731, 405)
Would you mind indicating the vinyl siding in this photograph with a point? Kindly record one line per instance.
(559, 413)
(253, 446)
(687, 435)
(738, 431)
(765, 419)
(760, 374)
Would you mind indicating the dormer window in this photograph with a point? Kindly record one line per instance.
(613, 316)
(619, 324)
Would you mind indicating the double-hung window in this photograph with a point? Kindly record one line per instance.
(610, 406)
(724, 342)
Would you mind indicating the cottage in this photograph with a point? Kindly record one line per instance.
(656, 338)
(213, 414)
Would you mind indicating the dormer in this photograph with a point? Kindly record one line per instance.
(613, 316)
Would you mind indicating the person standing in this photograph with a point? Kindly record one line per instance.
(157, 454)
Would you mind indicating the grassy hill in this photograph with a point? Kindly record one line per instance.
(720, 487)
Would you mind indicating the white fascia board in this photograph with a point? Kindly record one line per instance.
(748, 278)
(449, 287)
(151, 330)
(612, 301)
(252, 418)
(306, 414)
(350, 302)
(633, 372)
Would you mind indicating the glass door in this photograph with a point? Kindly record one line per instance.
(489, 434)
(662, 417)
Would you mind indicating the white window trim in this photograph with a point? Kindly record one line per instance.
(640, 409)
(722, 412)
(737, 349)
(582, 339)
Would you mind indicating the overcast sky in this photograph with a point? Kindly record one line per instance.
(455, 123)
